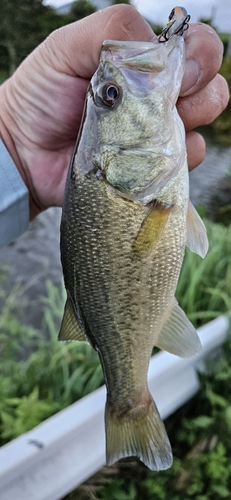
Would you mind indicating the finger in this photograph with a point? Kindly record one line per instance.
(196, 149)
(204, 51)
(74, 49)
(204, 106)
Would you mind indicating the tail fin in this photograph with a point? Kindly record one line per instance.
(141, 432)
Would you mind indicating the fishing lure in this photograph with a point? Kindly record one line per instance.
(178, 23)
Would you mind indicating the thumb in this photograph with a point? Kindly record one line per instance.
(74, 49)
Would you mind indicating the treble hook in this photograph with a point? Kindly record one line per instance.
(178, 23)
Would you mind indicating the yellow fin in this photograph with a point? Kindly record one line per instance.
(151, 230)
(70, 328)
(138, 431)
(197, 239)
(178, 335)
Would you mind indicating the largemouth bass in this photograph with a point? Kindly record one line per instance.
(125, 223)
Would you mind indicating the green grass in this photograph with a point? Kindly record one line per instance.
(204, 288)
(51, 377)
(3, 76)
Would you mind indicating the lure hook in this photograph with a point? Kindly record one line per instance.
(178, 23)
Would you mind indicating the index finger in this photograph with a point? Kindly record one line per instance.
(75, 48)
(204, 51)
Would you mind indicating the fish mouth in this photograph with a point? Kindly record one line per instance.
(140, 63)
(134, 55)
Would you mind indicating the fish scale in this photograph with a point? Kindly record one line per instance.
(125, 223)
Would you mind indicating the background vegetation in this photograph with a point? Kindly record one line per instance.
(39, 376)
(221, 127)
(26, 23)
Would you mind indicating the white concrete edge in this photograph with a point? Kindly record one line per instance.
(60, 453)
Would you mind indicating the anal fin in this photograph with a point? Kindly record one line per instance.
(70, 328)
(178, 335)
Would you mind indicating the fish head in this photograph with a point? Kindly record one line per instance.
(138, 78)
(146, 66)
(131, 108)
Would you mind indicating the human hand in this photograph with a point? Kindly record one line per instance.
(204, 93)
(41, 104)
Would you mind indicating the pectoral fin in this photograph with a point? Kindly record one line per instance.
(151, 230)
(197, 239)
(70, 328)
(178, 335)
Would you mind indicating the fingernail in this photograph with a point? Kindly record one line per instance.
(191, 76)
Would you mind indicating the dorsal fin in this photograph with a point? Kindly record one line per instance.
(197, 239)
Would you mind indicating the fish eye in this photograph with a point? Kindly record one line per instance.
(110, 94)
